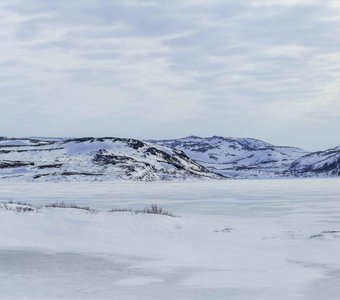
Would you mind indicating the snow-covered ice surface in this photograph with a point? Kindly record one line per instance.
(244, 239)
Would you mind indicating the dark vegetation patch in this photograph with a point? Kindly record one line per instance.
(43, 175)
(37, 150)
(50, 166)
(5, 151)
(6, 164)
(102, 157)
(68, 173)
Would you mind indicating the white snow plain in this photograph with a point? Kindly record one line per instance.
(244, 239)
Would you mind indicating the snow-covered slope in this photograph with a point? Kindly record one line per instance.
(233, 240)
(322, 163)
(51, 159)
(95, 159)
(238, 157)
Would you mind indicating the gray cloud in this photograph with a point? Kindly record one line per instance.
(150, 69)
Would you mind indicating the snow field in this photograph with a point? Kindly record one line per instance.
(232, 240)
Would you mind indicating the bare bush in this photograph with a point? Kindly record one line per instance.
(122, 210)
(322, 234)
(153, 209)
(18, 203)
(227, 229)
(69, 205)
(157, 210)
(19, 207)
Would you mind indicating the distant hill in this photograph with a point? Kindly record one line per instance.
(110, 158)
(238, 157)
(95, 159)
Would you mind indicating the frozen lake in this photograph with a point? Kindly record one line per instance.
(237, 239)
(203, 197)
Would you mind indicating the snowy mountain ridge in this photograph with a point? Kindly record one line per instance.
(193, 157)
(252, 158)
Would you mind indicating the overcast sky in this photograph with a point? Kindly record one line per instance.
(268, 69)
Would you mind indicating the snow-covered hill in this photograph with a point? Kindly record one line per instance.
(322, 163)
(238, 157)
(95, 159)
(51, 159)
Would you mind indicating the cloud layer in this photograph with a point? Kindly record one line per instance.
(152, 69)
